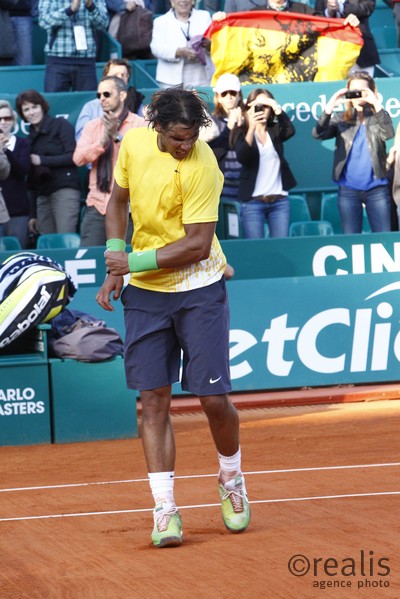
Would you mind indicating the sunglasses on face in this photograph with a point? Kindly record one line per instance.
(6, 118)
(105, 94)
(230, 92)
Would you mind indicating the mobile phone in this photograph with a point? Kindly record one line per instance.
(353, 93)
(259, 107)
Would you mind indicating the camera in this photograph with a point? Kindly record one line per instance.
(259, 107)
(353, 93)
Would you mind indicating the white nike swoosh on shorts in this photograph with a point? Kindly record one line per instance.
(212, 381)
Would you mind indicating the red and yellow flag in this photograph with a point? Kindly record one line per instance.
(278, 47)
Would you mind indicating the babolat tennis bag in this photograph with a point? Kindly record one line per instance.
(33, 289)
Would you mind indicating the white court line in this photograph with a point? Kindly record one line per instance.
(145, 480)
(191, 507)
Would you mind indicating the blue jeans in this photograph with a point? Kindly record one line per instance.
(17, 226)
(254, 213)
(377, 203)
(67, 75)
(23, 33)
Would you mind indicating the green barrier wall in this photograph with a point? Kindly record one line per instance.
(311, 160)
(304, 312)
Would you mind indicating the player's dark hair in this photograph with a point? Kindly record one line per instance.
(176, 105)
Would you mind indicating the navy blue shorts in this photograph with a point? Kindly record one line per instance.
(162, 326)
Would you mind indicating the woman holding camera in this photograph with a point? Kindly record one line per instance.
(265, 177)
(359, 165)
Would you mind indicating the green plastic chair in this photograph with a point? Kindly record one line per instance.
(299, 210)
(330, 212)
(58, 240)
(9, 244)
(311, 227)
(230, 213)
(385, 37)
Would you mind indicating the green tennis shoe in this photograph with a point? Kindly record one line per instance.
(235, 505)
(167, 531)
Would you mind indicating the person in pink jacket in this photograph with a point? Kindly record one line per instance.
(99, 146)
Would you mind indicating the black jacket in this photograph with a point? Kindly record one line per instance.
(14, 188)
(281, 130)
(362, 9)
(54, 142)
(378, 128)
(8, 45)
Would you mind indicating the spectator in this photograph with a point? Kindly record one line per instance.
(14, 188)
(228, 113)
(359, 164)
(71, 44)
(266, 177)
(4, 172)
(393, 170)
(116, 67)
(114, 6)
(176, 43)
(99, 145)
(278, 5)
(395, 5)
(361, 9)
(133, 28)
(8, 46)
(53, 177)
(21, 17)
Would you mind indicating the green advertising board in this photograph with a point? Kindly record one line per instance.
(304, 311)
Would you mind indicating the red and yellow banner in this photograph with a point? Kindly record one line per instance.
(280, 47)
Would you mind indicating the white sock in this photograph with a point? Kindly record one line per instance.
(229, 466)
(162, 486)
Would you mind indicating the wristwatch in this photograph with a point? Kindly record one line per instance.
(118, 138)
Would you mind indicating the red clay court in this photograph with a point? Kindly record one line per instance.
(323, 481)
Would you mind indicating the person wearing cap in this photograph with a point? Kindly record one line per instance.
(227, 114)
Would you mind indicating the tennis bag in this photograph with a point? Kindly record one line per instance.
(83, 337)
(33, 289)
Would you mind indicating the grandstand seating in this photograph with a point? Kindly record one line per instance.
(9, 243)
(330, 212)
(390, 63)
(310, 227)
(385, 37)
(58, 240)
(231, 227)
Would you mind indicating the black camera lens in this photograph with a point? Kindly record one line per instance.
(353, 93)
(259, 107)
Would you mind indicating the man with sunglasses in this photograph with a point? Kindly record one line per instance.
(99, 146)
(176, 297)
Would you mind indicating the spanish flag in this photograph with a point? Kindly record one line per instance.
(279, 47)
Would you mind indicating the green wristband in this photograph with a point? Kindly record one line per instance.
(115, 245)
(140, 261)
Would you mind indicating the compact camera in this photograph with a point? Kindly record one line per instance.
(259, 107)
(353, 93)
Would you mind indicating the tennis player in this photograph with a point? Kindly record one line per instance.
(176, 299)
